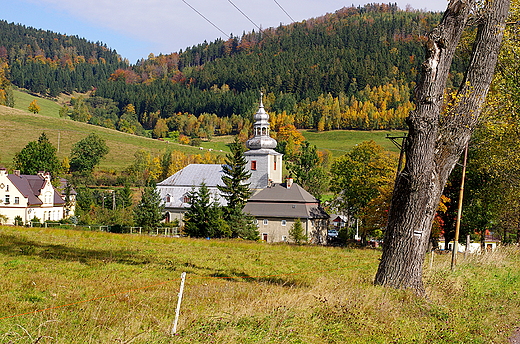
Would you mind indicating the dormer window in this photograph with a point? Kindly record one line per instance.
(186, 198)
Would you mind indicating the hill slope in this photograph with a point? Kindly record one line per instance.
(18, 127)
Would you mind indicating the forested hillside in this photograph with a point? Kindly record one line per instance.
(353, 69)
(49, 63)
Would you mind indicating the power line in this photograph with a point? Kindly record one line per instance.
(288, 15)
(239, 10)
(209, 21)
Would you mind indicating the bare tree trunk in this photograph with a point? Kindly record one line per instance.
(435, 142)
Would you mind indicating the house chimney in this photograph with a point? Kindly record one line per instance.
(288, 183)
(17, 173)
(3, 171)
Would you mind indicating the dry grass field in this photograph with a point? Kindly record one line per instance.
(69, 286)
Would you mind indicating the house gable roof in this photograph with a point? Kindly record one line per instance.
(280, 201)
(30, 187)
(280, 193)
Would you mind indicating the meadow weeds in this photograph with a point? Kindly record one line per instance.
(68, 286)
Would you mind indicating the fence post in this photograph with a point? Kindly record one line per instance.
(179, 300)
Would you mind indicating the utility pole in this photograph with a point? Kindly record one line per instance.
(459, 212)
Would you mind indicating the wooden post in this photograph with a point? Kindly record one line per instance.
(459, 212)
(179, 300)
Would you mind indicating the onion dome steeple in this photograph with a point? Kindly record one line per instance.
(261, 138)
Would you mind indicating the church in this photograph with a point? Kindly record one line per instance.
(276, 204)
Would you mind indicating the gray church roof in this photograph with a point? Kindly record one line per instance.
(280, 201)
(194, 175)
(174, 189)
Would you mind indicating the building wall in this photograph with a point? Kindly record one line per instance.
(275, 168)
(259, 167)
(276, 231)
(16, 204)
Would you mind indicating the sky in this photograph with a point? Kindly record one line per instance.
(136, 28)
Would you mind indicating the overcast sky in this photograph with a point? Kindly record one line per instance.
(136, 28)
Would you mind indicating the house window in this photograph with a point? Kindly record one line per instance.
(284, 238)
(17, 200)
(168, 199)
(255, 221)
(186, 199)
(7, 187)
(253, 165)
(275, 164)
(266, 222)
(284, 222)
(7, 199)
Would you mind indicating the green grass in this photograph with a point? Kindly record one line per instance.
(18, 127)
(66, 286)
(47, 107)
(339, 142)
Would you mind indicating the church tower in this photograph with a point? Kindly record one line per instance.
(264, 163)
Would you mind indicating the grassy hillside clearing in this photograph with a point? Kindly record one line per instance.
(66, 286)
(339, 142)
(47, 107)
(18, 127)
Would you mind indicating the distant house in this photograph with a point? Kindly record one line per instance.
(277, 207)
(491, 242)
(29, 197)
(338, 221)
(174, 190)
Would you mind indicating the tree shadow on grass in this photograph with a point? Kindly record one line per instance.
(18, 246)
(280, 280)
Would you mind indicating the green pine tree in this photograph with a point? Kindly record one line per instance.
(236, 191)
(149, 212)
(296, 232)
(204, 217)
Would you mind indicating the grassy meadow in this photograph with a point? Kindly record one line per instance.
(68, 286)
(19, 127)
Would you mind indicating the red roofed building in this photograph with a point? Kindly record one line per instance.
(29, 197)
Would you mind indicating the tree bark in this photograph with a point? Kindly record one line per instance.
(436, 141)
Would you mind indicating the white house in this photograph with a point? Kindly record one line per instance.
(29, 197)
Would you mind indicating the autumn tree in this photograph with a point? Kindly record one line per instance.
(34, 107)
(6, 89)
(362, 178)
(437, 138)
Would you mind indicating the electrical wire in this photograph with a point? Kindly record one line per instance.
(209, 21)
(239, 10)
(283, 9)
